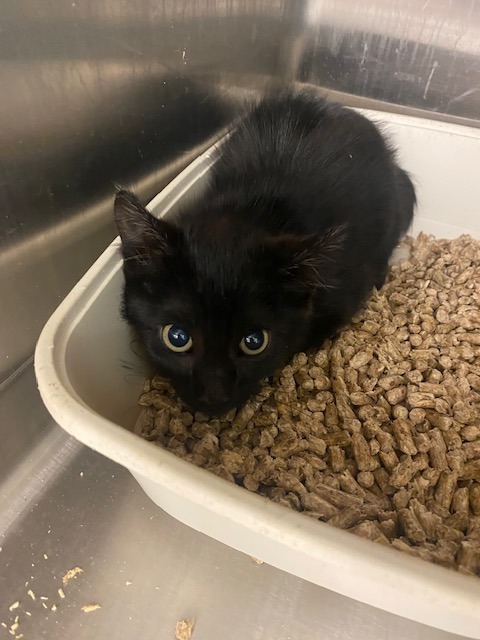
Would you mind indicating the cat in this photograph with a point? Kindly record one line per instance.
(304, 207)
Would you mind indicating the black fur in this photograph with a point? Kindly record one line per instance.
(304, 208)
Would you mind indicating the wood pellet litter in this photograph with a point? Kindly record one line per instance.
(71, 573)
(14, 626)
(184, 629)
(16, 606)
(378, 433)
(88, 608)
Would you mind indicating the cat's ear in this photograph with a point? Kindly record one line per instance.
(312, 262)
(144, 237)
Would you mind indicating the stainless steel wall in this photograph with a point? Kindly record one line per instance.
(104, 91)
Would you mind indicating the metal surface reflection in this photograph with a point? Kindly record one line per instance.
(97, 93)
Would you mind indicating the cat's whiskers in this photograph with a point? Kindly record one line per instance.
(319, 282)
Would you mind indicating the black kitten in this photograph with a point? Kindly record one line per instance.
(304, 207)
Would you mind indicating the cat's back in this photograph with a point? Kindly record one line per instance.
(270, 133)
(294, 134)
(306, 159)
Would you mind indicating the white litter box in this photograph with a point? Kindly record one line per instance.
(78, 363)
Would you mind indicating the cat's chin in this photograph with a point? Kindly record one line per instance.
(235, 400)
(215, 410)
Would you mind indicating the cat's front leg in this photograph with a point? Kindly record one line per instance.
(323, 328)
(381, 277)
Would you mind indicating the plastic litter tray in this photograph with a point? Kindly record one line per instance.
(78, 363)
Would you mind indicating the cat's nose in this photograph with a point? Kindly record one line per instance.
(214, 387)
(215, 391)
(212, 397)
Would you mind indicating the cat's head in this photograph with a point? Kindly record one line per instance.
(218, 305)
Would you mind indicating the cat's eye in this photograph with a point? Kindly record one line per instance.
(176, 338)
(255, 342)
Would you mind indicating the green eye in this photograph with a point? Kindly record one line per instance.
(176, 338)
(255, 342)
